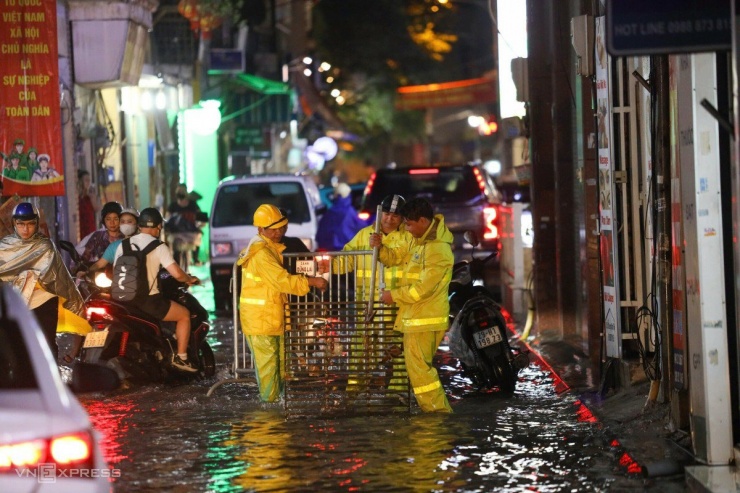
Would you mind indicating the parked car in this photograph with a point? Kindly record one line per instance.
(464, 194)
(47, 442)
(231, 226)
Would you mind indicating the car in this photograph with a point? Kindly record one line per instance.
(231, 226)
(465, 194)
(47, 442)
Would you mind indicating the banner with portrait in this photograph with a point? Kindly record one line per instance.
(30, 124)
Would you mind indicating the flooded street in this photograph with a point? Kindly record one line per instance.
(176, 438)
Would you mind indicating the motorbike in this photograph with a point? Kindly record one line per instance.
(138, 346)
(478, 332)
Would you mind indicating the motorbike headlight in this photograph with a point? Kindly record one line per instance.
(102, 281)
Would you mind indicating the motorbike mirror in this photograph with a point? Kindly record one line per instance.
(70, 249)
(471, 238)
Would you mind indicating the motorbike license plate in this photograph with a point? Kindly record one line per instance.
(95, 339)
(487, 337)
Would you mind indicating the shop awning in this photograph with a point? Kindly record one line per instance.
(262, 85)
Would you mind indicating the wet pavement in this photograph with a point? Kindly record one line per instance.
(173, 437)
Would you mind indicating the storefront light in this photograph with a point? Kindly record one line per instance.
(160, 100)
(210, 117)
(146, 101)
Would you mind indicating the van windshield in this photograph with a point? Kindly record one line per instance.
(235, 204)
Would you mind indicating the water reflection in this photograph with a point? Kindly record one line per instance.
(166, 438)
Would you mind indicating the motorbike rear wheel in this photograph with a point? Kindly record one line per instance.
(206, 359)
(506, 377)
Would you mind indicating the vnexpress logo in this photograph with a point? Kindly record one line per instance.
(47, 473)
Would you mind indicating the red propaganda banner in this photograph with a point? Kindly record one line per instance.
(456, 93)
(30, 125)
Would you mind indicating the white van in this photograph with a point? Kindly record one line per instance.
(231, 226)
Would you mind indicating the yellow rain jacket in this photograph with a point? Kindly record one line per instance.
(265, 286)
(423, 303)
(394, 276)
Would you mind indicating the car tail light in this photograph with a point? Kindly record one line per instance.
(364, 215)
(425, 171)
(490, 223)
(479, 178)
(369, 185)
(64, 451)
(71, 449)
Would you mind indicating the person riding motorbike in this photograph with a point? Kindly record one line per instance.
(182, 217)
(129, 226)
(154, 303)
(91, 247)
(265, 284)
(31, 262)
(424, 309)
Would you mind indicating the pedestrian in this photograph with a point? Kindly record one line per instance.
(423, 307)
(91, 247)
(264, 289)
(88, 203)
(153, 302)
(340, 222)
(394, 235)
(31, 262)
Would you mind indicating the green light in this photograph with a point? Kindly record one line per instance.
(209, 117)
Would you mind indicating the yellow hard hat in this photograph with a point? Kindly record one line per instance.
(269, 217)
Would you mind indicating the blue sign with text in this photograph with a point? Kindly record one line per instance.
(652, 27)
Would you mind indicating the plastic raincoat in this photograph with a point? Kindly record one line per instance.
(424, 309)
(265, 286)
(36, 264)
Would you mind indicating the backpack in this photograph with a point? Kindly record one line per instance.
(130, 280)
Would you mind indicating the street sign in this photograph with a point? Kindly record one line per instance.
(225, 61)
(652, 27)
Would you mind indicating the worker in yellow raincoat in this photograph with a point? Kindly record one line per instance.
(394, 235)
(423, 307)
(265, 286)
(31, 262)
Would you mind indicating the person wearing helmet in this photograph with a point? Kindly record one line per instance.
(423, 306)
(129, 227)
(394, 235)
(340, 223)
(182, 217)
(31, 262)
(265, 286)
(91, 248)
(150, 223)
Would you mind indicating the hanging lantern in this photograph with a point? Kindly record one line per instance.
(209, 22)
(187, 8)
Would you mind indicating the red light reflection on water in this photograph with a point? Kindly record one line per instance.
(108, 420)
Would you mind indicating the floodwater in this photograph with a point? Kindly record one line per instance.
(176, 438)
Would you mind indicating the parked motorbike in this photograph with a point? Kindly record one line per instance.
(138, 346)
(478, 333)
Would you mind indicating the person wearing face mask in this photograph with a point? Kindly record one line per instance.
(182, 217)
(129, 227)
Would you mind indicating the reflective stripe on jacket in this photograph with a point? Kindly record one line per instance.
(362, 265)
(265, 286)
(422, 302)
